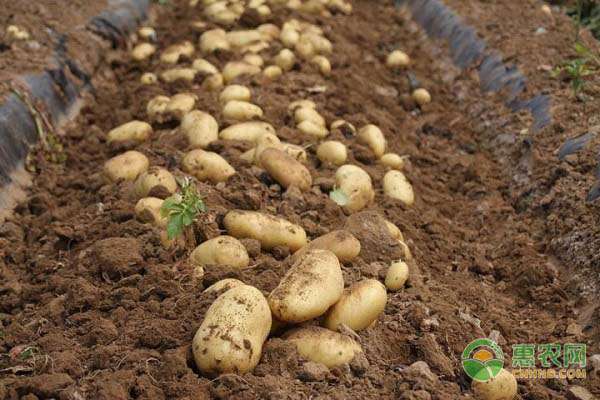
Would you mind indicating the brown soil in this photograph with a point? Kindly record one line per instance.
(501, 237)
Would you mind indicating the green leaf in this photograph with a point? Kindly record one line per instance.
(175, 227)
(187, 219)
(339, 197)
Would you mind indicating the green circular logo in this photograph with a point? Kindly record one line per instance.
(482, 360)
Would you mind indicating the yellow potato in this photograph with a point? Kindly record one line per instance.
(392, 160)
(397, 59)
(207, 166)
(502, 387)
(222, 250)
(200, 129)
(204, 67)
(269, 31)
(337, 124)
(323, 64)
(235, 92)
(323, 346)
(255, 48)
(263, 142)
(180, 104)
(286, 59)
(285, 169)
(174, 53)
(295, 151)
(137, 131)
(155, 182)
(148, 210)
(214, 40)
(289, 37)
(269, 230)
(341, 243)
(372, 136)
(312, 284)
(178, 74)
(236, 110)
(146, 32)
(359, 306)
(223, 285)
(396, 186)
(234, 69)
(394, 230)
(320, 44)
(157, 107)
(127, 166)
(148, 78)
(214, 82)
(294, 105)
(304, 48)
(272, 72)
(396, 276)
(143, 51)
(248, 131)
(254, 59)
(243, 38)
(421, 96)
(341, 6)
(313, 129)
(232, 334)
(356, 184)
(333, 152)
(302, 114)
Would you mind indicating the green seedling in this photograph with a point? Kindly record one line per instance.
(183, 208)
(577, 69)
(339, 197)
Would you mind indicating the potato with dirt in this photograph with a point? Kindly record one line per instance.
(501, 387)
(356, 185)
(221, 250)
(147, 210)
(396, 186)
(324, 346)
(231, 336)
(421, 97)
(207, 166)
(376, 242)
(127, 166)
(200, 129)
(269, 230)
(133, 131)
(312, 284)
(341, 243)
(285, 169)
(155, 182)
(360, 305)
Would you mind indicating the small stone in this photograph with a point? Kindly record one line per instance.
(540, 31)
(579, 393)
(252, 247)
(313, 372)
(420, 369)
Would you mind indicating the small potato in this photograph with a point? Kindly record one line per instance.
(236, 110)
(356, 184)
(308, 114)
(272, 72)
(372, 136)
(214, 82)
(294, 105)
(312, 284)
(313, 129)
(143, 51)
(136, 131)
(243, 38)
(255, 48)
(396, 186)
(341, 243)
(232, 334)
(394, 230)
(157, 107)
(147, 210)
(254, 59)
(235, 92)
(200, 129)
(178, 74)
(155, 182)
(223, 285)
(247, 131)
(147, 33)
(16, 33)
(359, 306)
(263, 10)
(286, 59)
(127, 166)
(421, 96)
(285, 169)
(323, 346)
(289, 37)
(333, 152)
(180, 104)
(248, 155)
(204, 67)
(269, 230)
(323, 64)
(305, 49)
(148, 78)
(342, 124)
(392, 160)
(214, 40)
(234, 69)
(269, 31)
(396, 276)
(502, 387)
(222, 250)
(320, 44)
(174, 53)
(207, 166)
(397, 59)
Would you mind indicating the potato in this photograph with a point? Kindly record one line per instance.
(214, 40)
(16, 33)
(204, 67)
(232, 334)
(304, 48)
(356, 184)
(147, 33)
(272, 72)
(392, 160)
(127, 166)
(236, 110)
(263, 10)
(341, 243)
(396, 186)
(359, 306)
(289, 37)
(372, 136)
(223, 285)
(394, 230)
(243, 38)
(323, 64)
(248, 155)
(157, 107)
(172, 54)
(263, 142)
(148, 210)
(397, 59)
(312, 284)
(178, 74)
(323, 346)
(207, 166)
(235, 92)
(269, 230)
(421, 96)
(342, 124)
(502, 387)
(255, 48)
(269, 31)
(396, 276)
(136, 131)
(302, 114)
(310, 128)
(295, 151)
(143, 51)
(320, 44)
(180, 104)
(234, 69)
(294, 105)
(333, 152)
(155, 182)
(148, 78)
(200, 129)
(222, 250)
(214, 82)
(341, 6)
(285, 169)
(286, 59)
(248, 131)
(198, 26)
(254, 59)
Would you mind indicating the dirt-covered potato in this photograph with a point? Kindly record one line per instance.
(269, 230)
(343, 124)
(341, 243)
(372, 136)
(223, 285)
(148, 210)
(178, 74)
(143, 51)
(285, 169)
(233, 69)
(272, 72)
(148, 78)
(397, 59)
(127, 166)
(359, 306)
(207, 166)
(172, 54)
(155, 182)
(204, 67)
(392, 160)
(502, 387)
(421, 96)
(232, 334)
(200, 129)
(323, 346)
(235, 92)
(312, 284)
(136, 131)
(396, 276)
(214, 40)
(356, 184)
(332, 152)
(222, 250)
(236, 110)
(396, 186)
(285, 59)
(322, 64)
(247, 131)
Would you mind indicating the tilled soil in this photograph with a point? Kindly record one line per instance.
(110, 313)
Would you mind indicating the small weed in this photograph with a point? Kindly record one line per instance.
(576, 70)
(181, 209)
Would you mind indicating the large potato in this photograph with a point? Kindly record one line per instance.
(341, 243)
(312, 285)
(358, 307)
(269, 230)
(502, 387)
(137, 131)
(356, 184)
(200, 129)
(285, 59)
(323, 346)
(207, 166)
(155, 182)
(372, 136)
(285, 169)
(127, 166)
(247, 131)
(148, 210)
(396, 186)
(232, 334)
(243, 38)
(222, 250)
